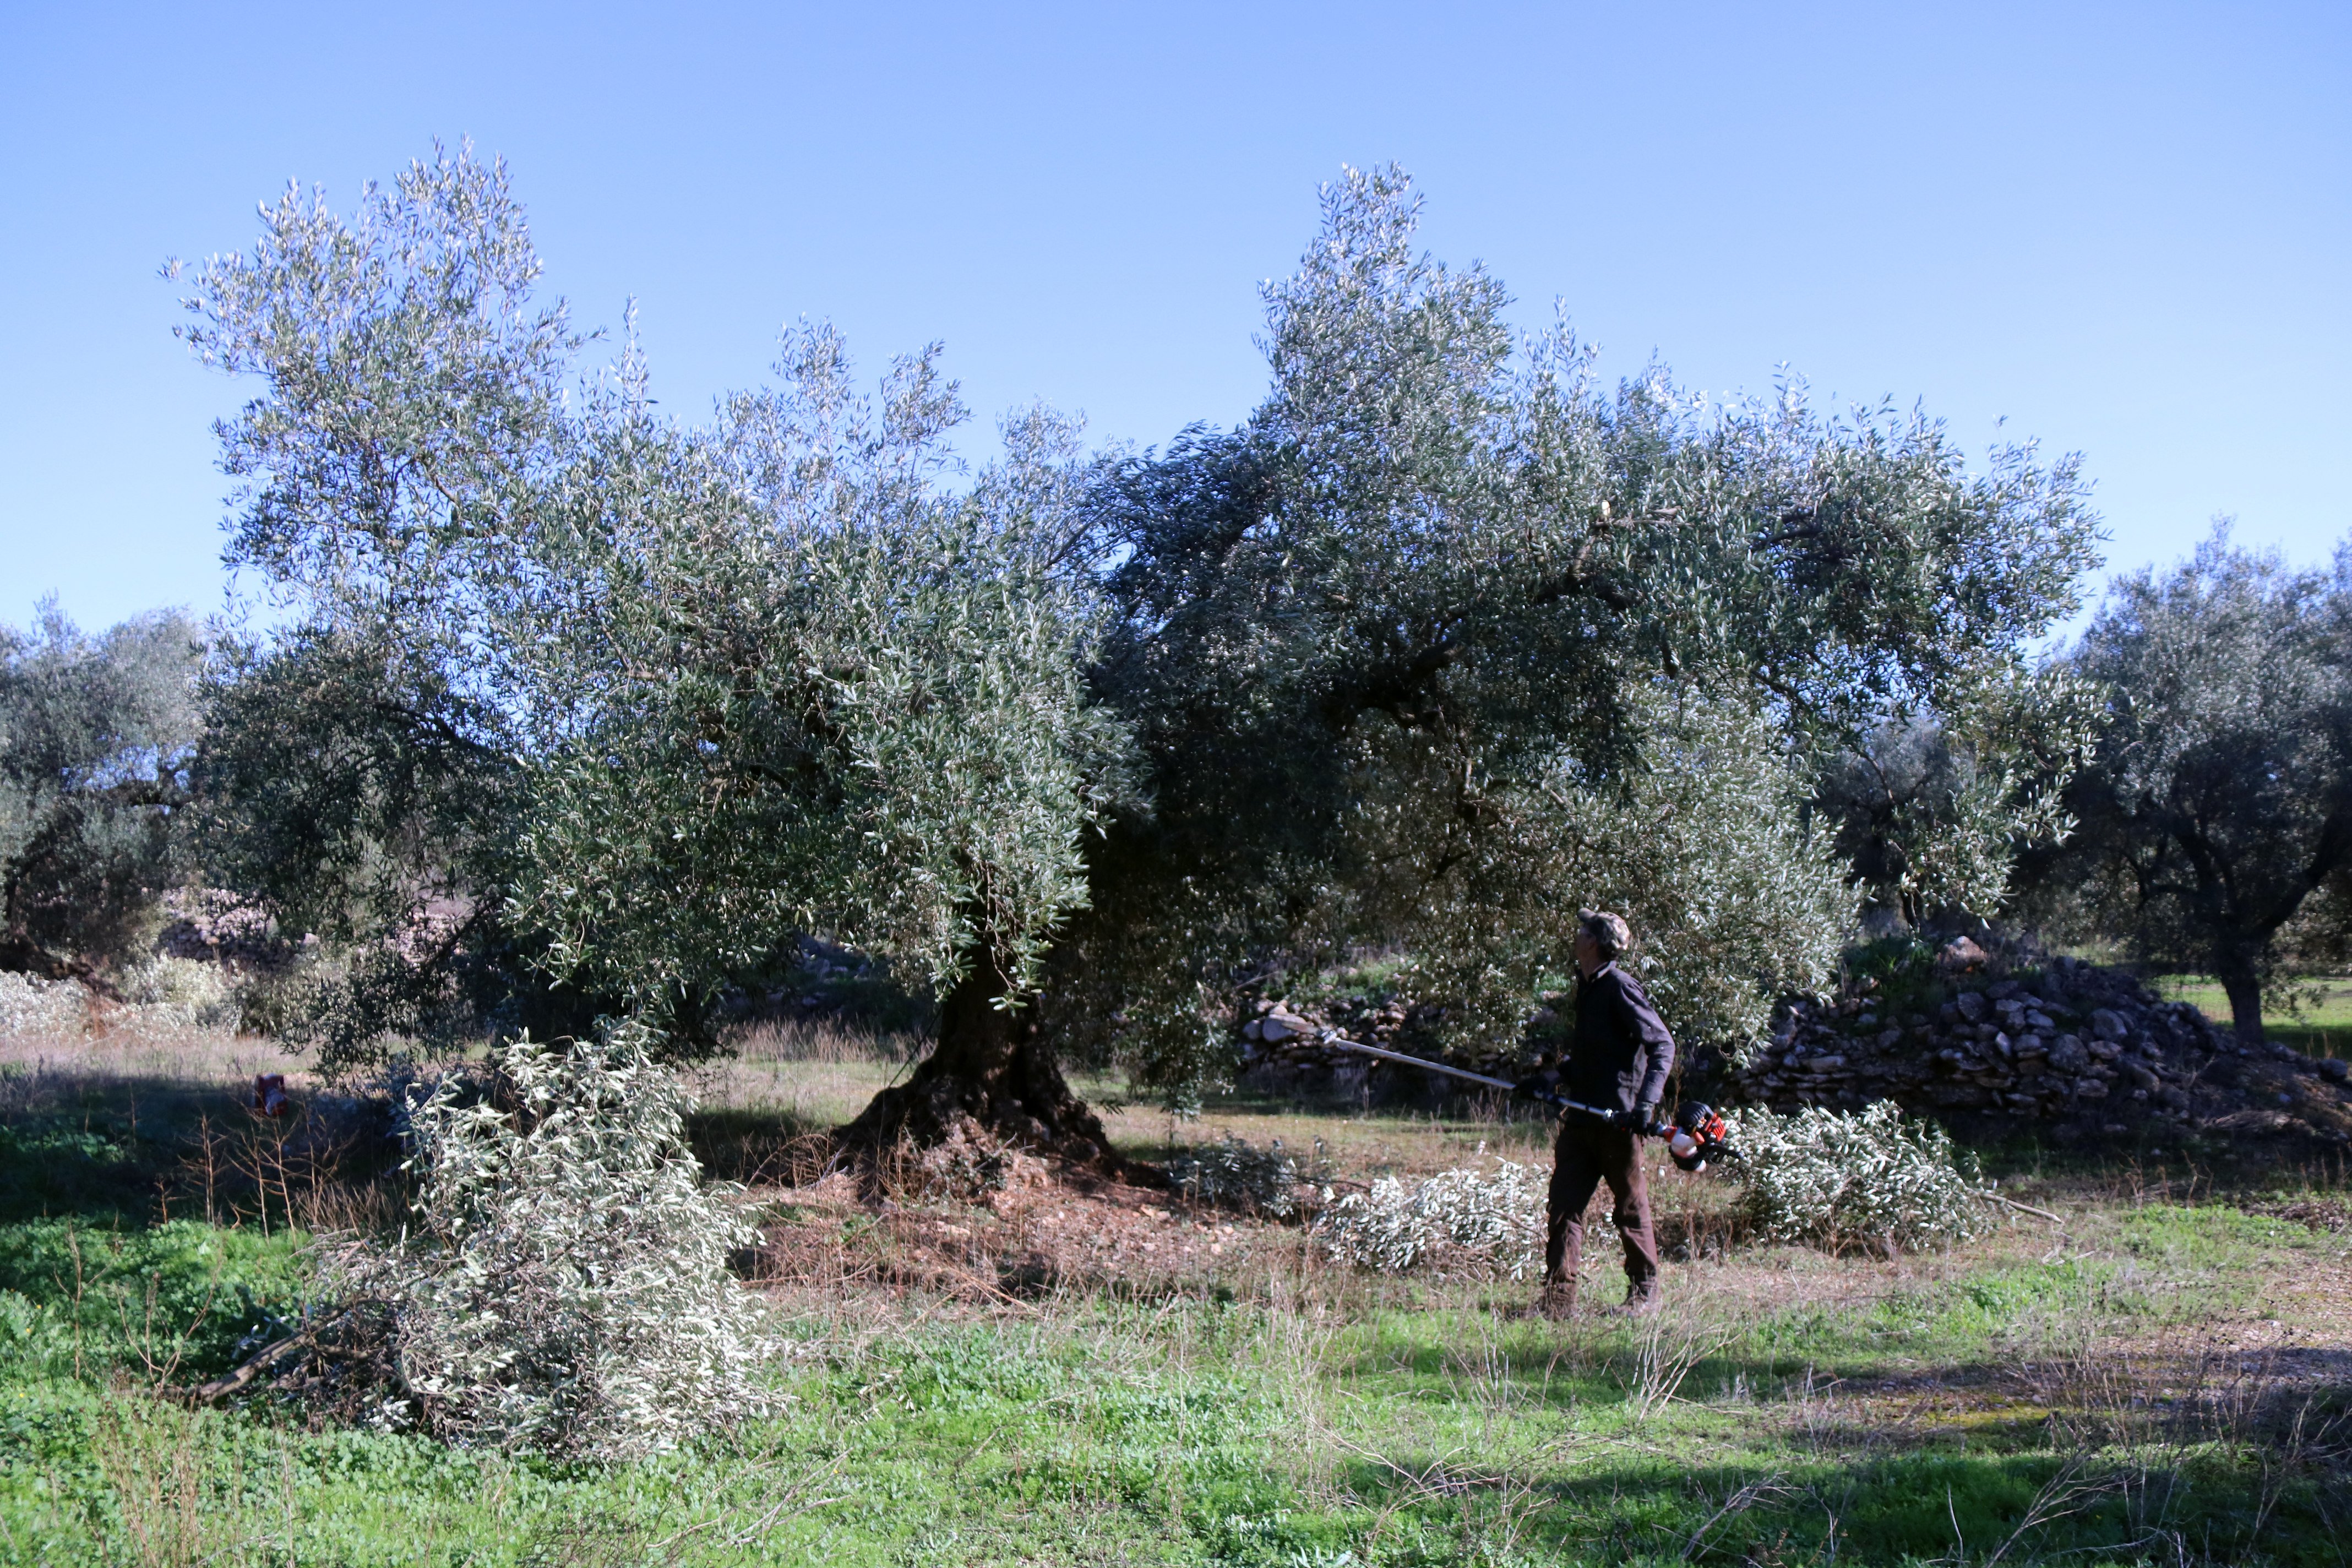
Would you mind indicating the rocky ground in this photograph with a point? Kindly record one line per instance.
(2070, 1047)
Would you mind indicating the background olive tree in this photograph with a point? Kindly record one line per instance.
(1931, 811)
(350, 789)
(96, 736)
(2216, 823)
(359, 778)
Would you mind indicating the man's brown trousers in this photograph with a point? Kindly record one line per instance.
(1587, 1154)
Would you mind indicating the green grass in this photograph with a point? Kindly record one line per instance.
(2113, 1393)
(1197, 1435)
(175, 1300)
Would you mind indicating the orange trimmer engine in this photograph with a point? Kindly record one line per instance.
(1699, 1136)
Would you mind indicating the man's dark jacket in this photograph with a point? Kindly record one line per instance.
(1621, 1053)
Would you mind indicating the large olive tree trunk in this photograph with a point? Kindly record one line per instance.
(989, 1073)
(2245, 993)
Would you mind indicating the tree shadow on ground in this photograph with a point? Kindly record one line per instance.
(763, 1147)
(131, 1148)
(1891, 1507)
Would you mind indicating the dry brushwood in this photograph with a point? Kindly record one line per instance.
(564, 1286)
(1231, 1174)
(1482, 1224)
(1874, 1180)
(335, 1367)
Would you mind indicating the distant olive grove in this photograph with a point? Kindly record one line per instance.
(583, 711)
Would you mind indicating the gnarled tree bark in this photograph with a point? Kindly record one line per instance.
(989, 1073)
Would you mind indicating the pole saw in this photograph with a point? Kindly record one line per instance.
(1697, 1135)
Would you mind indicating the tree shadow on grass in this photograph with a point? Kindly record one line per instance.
(1895, 1508)
(125, 1149)
(763, 1147)
(1593, 1358)
(2175, 1453)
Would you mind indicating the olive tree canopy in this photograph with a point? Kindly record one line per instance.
(95, 738)
(1398, 648)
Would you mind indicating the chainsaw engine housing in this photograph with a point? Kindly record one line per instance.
(1699, 1136)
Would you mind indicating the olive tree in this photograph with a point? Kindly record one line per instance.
(802, 685)
(712, 685)
(1438, 582)
(360, 777)
(96, 734)
(1066, 738)
(2220, 799)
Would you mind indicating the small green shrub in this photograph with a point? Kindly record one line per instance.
(47, 1009)
(1262, 1181)
(1485, 1224)
(182, 992)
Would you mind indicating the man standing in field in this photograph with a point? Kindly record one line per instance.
(1618, 1060)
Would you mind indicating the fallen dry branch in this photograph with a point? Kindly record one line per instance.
(319, 1338)
(261, 1360)
(2028, 1208)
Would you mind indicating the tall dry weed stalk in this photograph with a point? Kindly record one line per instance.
(824, 1042)
(1668, 1345)
(289, 1174)
(153, 1459)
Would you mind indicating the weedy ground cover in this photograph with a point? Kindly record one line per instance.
(1010, 1370)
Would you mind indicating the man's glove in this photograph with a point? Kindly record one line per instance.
(1647, 1121)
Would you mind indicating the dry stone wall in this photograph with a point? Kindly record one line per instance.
(2075, 1045)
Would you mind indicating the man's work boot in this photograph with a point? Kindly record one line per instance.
(1556, 1301)
(1641, 1299)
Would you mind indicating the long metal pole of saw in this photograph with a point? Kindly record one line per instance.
(1502, 1083)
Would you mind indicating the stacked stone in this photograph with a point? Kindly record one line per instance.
(212, 927)
(2076, 1043)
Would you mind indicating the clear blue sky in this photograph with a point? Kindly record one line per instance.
(2123, 228)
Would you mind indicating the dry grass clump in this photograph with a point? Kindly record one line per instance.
(118, 1049)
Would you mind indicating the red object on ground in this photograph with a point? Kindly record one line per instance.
(269, 1096)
